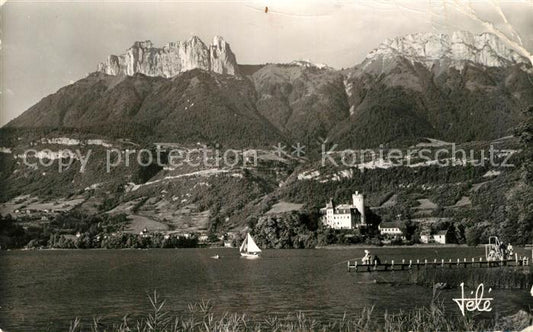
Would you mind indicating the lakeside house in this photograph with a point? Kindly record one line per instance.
(345, 216)
(425, 237)
(391, 228)
(229, 239)
(439, 237)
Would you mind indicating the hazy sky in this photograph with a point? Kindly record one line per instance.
(47, 45)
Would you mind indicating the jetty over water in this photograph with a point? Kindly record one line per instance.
(410, 264)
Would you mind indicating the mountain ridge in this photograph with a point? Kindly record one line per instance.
(172, 59)
(461, 46)
(301, 101)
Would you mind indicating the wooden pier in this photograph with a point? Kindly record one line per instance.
(421, 264)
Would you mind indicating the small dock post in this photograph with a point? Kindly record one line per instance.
(442, 262)
(352, 267)
(392, 265)
(410, 263)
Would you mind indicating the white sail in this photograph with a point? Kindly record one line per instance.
(243, 246)
(249, 248)
(251, 245)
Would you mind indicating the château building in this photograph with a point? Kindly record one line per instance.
(345, 216)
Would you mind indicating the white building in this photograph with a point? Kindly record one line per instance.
(440, 237)
(425, 237)
(390, 228)
(345, 216)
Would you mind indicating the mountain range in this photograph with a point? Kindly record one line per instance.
(460, 87)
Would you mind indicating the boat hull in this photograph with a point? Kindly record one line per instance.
(249, 256)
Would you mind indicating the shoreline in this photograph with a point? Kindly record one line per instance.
(332, 247)
(415, 246)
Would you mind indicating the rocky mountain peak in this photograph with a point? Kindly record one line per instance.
(143, 44)
(218, 41)
(308, 64)
(453, 50)
(222, 58)
(172, 59)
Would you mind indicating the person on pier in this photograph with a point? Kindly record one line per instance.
(367, 258)
(510, 251)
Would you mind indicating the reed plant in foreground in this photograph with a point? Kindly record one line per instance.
(200, 317)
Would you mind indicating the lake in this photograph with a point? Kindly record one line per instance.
(47, 289)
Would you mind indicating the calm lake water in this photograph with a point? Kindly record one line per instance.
(42, 290)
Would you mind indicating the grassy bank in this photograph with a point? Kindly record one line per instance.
(200, 317)
(506, 278)
(389, 246)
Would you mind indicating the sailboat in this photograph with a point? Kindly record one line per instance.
(249, 248)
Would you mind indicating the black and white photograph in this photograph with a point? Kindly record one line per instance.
(266, 165)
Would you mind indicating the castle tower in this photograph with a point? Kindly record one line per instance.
(359, 203)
